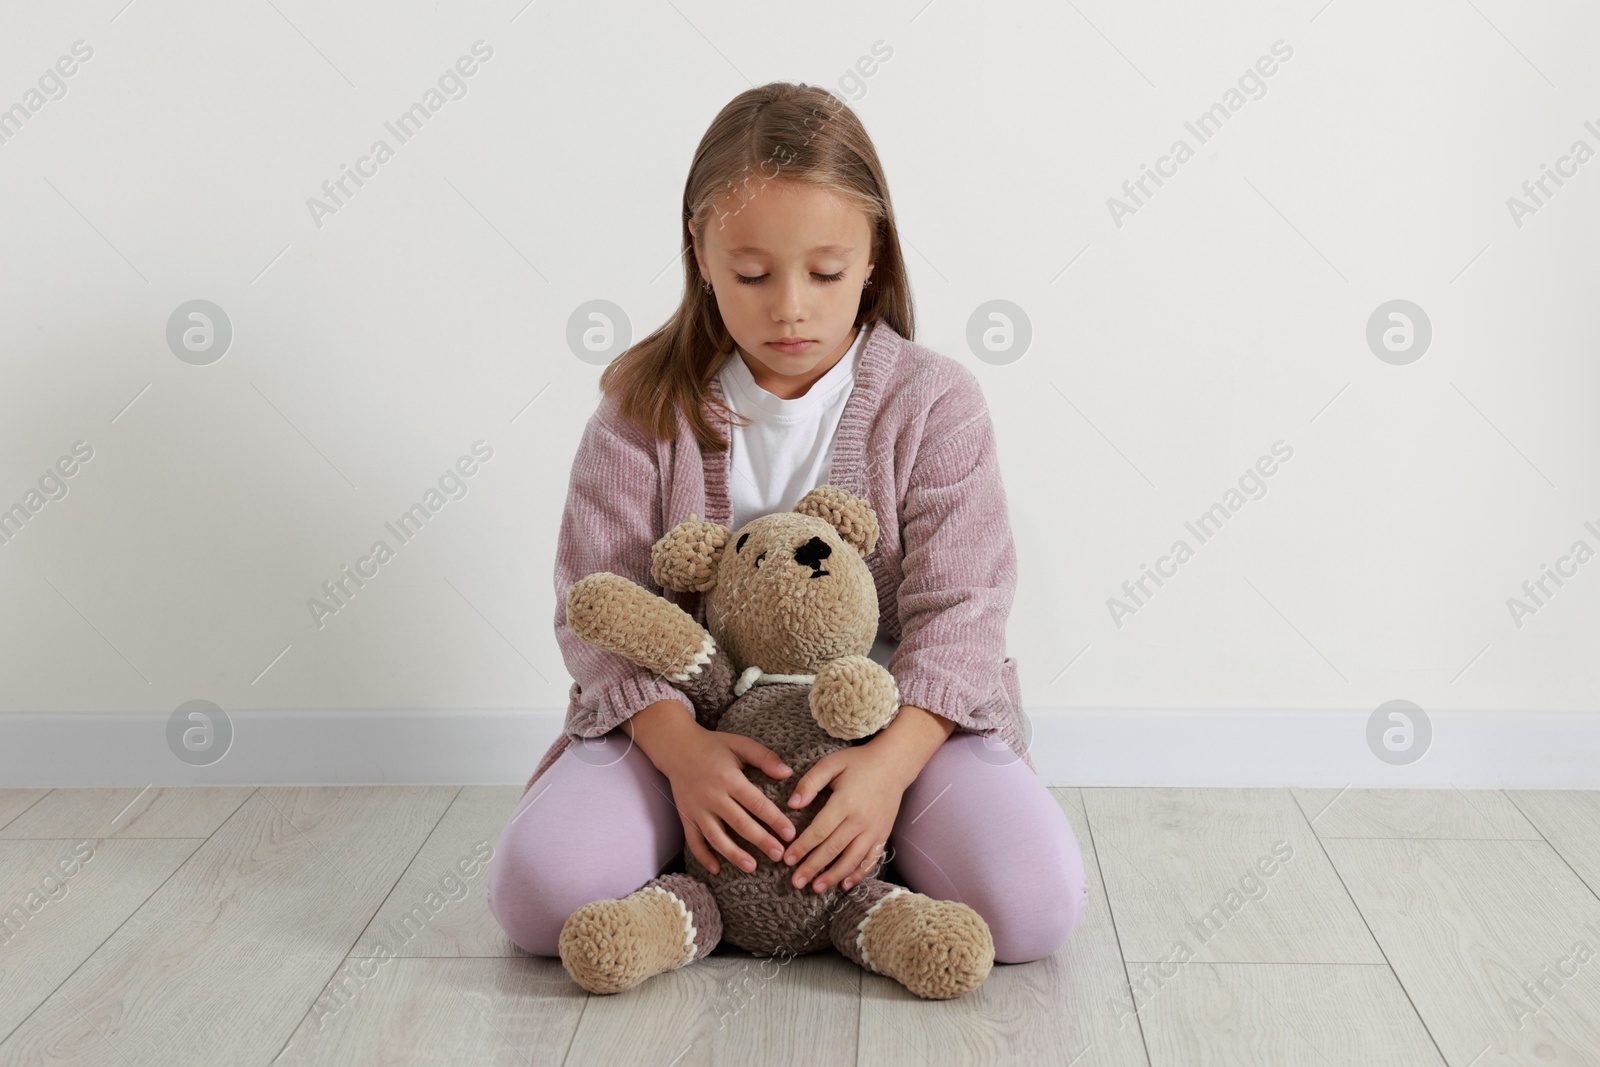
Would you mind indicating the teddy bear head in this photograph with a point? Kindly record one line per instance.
(789, 591)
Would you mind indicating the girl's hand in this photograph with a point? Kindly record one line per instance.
(854, 824)
(709, 787)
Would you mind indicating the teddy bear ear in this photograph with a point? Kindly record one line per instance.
(686, 559)
(851, 515)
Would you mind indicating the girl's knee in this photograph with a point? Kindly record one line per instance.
(537, 879)
(522, 896)
(1039, 913)
(1040, 931)
(526, 890)
(532, 901)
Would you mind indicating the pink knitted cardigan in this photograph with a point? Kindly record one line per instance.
(915, 439)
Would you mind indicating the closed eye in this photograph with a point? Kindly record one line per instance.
(757, 279)
(740, 545)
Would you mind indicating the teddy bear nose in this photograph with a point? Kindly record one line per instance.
(812, 553)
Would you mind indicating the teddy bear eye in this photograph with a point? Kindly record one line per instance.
(740, 545)
(760, 558)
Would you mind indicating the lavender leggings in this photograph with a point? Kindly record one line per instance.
(977, 826)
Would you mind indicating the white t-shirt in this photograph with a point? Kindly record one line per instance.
(787, 449)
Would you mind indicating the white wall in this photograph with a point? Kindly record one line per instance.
(371, 348)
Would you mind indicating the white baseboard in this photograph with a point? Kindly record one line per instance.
(1095, 746)
(1312, 748)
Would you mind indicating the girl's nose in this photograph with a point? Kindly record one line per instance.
(790, 307)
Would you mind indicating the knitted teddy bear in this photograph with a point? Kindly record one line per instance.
(792, 610)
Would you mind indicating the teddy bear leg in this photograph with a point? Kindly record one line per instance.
(938, 949)
(611, 945)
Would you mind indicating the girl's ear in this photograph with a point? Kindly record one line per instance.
(852, 516)
(686, 559)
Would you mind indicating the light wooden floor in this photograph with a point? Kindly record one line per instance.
(255, 926)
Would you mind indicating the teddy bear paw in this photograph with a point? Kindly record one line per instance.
(938, 949)
(854, 696)
(608, 946)
(608, 611)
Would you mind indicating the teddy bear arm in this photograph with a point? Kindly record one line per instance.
(708, 682)
(614, 613)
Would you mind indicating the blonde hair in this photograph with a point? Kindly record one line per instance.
(778, 131)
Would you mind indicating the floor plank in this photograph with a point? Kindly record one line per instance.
(1224, 875)
(438, 908)
(1570, 821)
(1465, 924)
(1286, 1015)
(1413, 813)
(224, 960)
(61, 900)
(14, 802)
(728, 1008)
(444, 1012)
(1073, 1004)
(129, 813)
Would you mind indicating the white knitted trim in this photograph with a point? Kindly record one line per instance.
(688, 922)
(701, 658)
(861, 927)
(754, 675)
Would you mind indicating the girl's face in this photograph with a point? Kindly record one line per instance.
(787, 262)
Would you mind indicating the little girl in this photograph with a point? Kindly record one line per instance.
(795, 333)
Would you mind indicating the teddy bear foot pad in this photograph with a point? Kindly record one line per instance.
(937, 949)
(608, 946)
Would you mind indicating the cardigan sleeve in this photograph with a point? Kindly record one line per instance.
(959, 570)
(612, 518)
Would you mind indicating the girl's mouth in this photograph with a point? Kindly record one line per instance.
(795, 346)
